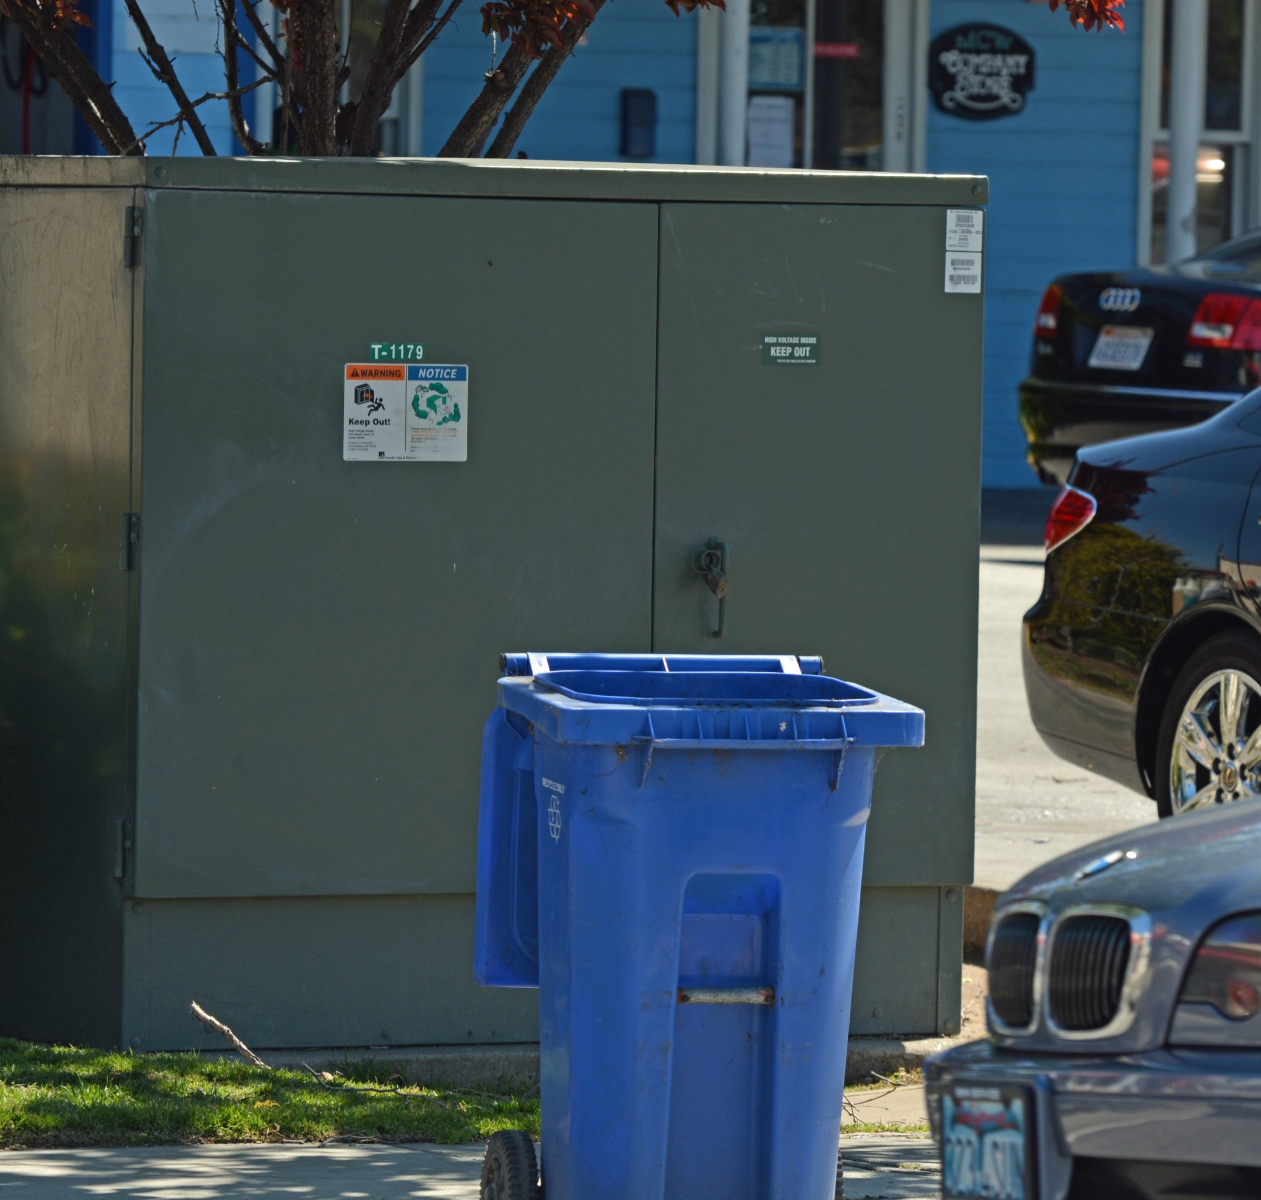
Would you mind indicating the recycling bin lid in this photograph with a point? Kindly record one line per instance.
(780, 700)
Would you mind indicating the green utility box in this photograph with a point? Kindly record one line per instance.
(290, 451)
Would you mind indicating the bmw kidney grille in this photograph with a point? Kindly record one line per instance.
(1012, 965)
(1089, 959)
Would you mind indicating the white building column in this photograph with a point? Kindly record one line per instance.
(733, 86)
(1188, 52)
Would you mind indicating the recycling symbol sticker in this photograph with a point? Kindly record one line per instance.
(553, 818)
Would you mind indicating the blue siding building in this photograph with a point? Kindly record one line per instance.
(1076, 173)
(1063, 187)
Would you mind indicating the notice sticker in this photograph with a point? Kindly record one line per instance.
(405, 413)
(790, 350)
(965, 229)
(963, 272)
(437, 414)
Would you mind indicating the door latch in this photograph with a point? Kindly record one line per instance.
(130, 543)
(710, 563)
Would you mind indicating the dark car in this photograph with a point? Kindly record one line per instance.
(1129, 352)
(1124, 1057)
(1142, 658)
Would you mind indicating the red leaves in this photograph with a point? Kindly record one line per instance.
(1090, 14)
(689, 5)
(534, 25)
(59, 13)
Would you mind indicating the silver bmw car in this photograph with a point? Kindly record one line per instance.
(1124, 1056)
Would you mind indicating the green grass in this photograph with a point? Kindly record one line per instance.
(63, 1096)
(885, 1127)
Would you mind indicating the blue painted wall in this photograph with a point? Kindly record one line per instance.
(1063, 187)
(633, 44)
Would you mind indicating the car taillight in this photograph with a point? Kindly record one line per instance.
(1226, 970)
(1048, 319)
(1226, 322)
(1072, 511)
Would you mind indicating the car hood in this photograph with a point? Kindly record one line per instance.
(1186, 873)
(1213, 856)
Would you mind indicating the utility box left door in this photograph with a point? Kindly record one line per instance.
(66, 324)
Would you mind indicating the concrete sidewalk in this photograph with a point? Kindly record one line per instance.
(885, 1165)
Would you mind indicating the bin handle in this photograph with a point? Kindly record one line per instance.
(839, 747)
(729, 995)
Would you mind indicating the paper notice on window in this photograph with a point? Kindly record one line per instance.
(963, 272)
(965, 229)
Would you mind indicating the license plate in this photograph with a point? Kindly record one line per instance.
(987, 1145)
(1121, 347)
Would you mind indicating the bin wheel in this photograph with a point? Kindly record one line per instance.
(840, 1177)
(510, 1170)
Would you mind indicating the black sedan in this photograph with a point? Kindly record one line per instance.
(1142, 658)
(1131, 352)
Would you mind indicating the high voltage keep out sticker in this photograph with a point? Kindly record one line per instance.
(413, 413)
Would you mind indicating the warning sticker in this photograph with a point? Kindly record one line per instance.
(410, 413)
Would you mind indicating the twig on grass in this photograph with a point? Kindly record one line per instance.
(886, 1079)
(217, 1026)
(362, 1087)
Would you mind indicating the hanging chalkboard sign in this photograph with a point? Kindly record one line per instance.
(980, 71)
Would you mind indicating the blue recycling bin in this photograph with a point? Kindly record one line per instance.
(670, 849)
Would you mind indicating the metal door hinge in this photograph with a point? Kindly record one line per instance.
(122, 848)
(130, 543)
(133, 234)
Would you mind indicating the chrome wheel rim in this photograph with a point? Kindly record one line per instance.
(1217, 745)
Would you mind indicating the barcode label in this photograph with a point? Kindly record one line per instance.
(963, 272)
(965, 228)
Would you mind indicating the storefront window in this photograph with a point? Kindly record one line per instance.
(848, 87)
(777, 83)
(1219, 167)
(1215, 170)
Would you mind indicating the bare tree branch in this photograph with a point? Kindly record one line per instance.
(182, 118)
(244, 43)
(472, 130)
(74, 71)
(260, 31)
(240, 126)
(165, 73)
(287, 116)
(378, 87)
(536, 85)
(317, 36)
(408, 58)
(217, 1026)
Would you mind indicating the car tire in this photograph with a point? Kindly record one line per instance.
(1197, 770)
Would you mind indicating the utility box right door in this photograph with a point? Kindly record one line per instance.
(844, 481)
